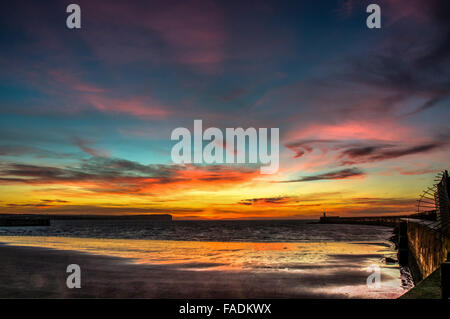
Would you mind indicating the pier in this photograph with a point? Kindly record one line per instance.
(389, 221)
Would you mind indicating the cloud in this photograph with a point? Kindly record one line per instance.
(144, 107)
(406, 171)
(340, 174)
(119, 176)
(269, 201)
(100, 209)
(350, 152)
(54, 201)
(408, 67)
(190, 33)
(377, 153)
(383, 201)
(372, 95)
(85, 146)
(234, 94)
(20, 150)
(303, 147)
(43, 204)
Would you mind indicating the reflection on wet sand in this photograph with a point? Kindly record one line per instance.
(324, 267)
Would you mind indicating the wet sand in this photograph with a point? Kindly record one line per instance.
(32, 272)
(41, 273)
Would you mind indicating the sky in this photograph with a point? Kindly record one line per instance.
(86, 114)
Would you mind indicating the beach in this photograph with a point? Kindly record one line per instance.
(41, 273)
(35, 267)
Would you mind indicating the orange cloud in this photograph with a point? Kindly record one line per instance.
(120, 177)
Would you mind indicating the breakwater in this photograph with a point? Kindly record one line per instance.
(45, 220)
(24, 221)
(390, 221)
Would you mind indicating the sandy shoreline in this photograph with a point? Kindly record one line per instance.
(30, 272)
(35, 272)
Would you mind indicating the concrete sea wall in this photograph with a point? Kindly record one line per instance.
(427, 245)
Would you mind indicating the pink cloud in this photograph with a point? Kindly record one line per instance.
(68, 84)
(142, 107)
(72, 82)
(194, 30)
(403, 171)
(186, 32)
(383, 130)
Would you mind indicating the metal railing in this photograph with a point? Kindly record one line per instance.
(443, 203)
(435, 200)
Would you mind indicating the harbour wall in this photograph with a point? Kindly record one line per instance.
(428, 246)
